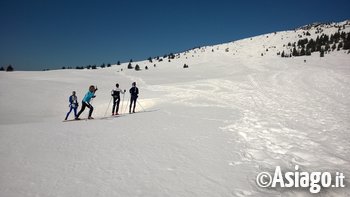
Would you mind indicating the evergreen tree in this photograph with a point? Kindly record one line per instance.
(295, 52)
(282, 55)
(150, 59)
(334, 46)
(171, 56)
(346, 44)
(118, 63)
(321, 53)
(343, 35)
(137, 67)
(340, 45)
(9, 68)
(308, 53)
(2, 68)
(108, 65)
(103, 65)
(146, 67)
(302, 52)
(130, 66)
(327, 47)
(311, 45)
(318, 47)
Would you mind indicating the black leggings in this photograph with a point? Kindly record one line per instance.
(116, 102)
(83, 108)
(133, 99)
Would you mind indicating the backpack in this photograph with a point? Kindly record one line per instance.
(115, 93)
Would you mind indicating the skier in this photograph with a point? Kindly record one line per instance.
(116, 99)
(73, 104)
(86, 102)
(134, 91)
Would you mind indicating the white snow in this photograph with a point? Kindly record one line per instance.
(208, 130)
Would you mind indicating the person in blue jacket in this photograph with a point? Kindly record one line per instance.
(86, 102)
(73, 104)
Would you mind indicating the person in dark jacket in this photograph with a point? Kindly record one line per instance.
(73, 104)
(134, 92)
(116, 99)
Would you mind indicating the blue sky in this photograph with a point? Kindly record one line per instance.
(40, 34)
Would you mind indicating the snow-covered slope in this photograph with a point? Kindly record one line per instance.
(208, 130)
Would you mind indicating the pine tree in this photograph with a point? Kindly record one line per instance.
(2, 68)
(311, 45)
(118, 63)
(137, 67)
(130, 66)
(308, 53)
(340, 45)
(327, 47)
(9, 68)
(334, 46)
(295, 52)
(346, 44)
(282, 55)
(321, 53)
(318, 47)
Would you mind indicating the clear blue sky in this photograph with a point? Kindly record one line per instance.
(40, 34)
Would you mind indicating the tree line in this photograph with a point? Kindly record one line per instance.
(9, 68)
(323, 44)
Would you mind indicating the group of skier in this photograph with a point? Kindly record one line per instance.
(115, 93)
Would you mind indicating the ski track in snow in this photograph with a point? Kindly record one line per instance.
(287, 117)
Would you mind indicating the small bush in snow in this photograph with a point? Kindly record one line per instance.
(130, 66)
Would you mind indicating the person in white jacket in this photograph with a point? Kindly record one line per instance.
(116, 99)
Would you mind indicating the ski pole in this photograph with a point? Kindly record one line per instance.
(126, 107)
(122, 104)
(140, 105)
(108, 106)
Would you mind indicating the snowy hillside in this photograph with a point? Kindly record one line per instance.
(207, 130)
